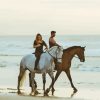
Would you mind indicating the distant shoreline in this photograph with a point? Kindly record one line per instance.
(30, 53)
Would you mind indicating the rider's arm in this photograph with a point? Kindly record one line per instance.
(35, 45)
(45, 45)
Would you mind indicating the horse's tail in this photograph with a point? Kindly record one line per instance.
(23, 79)
(23, 72)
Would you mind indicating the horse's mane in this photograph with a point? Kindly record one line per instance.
(52, 47)
(70, 48)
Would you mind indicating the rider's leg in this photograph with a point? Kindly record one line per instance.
(37, 61)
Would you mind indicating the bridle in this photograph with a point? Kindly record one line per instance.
(78, 57)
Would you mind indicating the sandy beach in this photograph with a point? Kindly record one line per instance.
(60, 94)
(33, 98)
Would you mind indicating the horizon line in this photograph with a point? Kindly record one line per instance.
(47, 34)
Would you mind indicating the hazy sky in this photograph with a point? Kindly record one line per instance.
(64, 16)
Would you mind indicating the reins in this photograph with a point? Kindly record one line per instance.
(52, 55)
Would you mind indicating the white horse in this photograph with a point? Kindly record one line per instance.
(45, 65)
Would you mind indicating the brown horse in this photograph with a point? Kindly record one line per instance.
(67, 57)
(68, 54)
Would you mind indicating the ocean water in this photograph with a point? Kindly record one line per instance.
(15, 47)
(21, 45)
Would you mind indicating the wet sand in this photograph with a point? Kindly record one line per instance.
(59, 94)
(33, 98)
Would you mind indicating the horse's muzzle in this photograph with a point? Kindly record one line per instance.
(82, 60)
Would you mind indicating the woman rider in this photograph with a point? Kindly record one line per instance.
(38, 45)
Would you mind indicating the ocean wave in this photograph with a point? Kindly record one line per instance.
(8, 63)
(9, 55)
(92, 56)
(2, 65)
(20, 46)
(95, 69)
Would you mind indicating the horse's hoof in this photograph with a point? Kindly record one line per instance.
(19, 92)
(46, 94)
(75, 90)
(32, 94)
(36, 92)
(47, 91)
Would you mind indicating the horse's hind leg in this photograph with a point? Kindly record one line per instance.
(70, 79)
(31, 82)
(33, 89)
(44, 81)
(21, 74)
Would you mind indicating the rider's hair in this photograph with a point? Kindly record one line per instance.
(37, 36)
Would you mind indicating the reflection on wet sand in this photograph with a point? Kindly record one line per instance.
(59, 94)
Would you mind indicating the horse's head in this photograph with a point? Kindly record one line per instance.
(80, 53)
(56, 52)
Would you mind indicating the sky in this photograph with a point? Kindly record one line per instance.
(28, 17)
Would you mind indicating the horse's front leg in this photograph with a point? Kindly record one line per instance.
(70, 79)
(44, 82)
(51, 85)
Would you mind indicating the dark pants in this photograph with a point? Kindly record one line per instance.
(37, 55)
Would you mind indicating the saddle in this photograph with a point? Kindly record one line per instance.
(34, 52)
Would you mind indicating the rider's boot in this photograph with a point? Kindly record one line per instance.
(36, 63)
